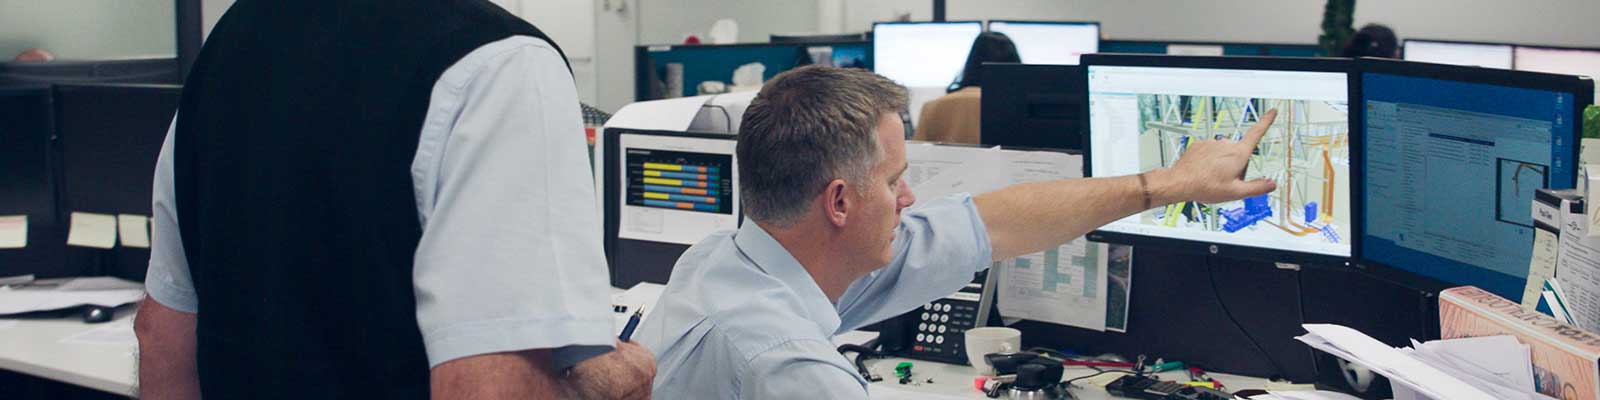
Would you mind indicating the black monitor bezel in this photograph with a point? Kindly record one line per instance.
(609, 183)
(1580, 87)
(1292, 64)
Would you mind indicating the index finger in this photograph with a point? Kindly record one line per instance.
(1253, 137)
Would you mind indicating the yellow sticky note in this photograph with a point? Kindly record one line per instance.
(134, 230)
(92, 230)
(13, 231)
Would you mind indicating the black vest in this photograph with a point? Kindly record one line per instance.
(294, 143)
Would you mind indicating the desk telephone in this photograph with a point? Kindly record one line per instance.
(933, 332)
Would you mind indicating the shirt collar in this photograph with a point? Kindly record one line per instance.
(772, 258)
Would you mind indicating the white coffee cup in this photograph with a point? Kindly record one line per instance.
(991, 339)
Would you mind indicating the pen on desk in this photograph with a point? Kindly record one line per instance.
(633, 322)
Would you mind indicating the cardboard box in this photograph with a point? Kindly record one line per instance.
(1566, 359)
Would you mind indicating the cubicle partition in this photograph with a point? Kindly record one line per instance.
(28, 185)
(110, 136)
(1210, 48)
(668, 71)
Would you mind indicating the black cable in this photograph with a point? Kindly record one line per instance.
(1068, 383)
(1211, 275)
(863, 352)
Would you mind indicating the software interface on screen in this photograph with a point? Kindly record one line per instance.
(1469, 54)
(676, 189)
(1561, 61)
(1050, 43)
(1143, 118)
(1451, 168)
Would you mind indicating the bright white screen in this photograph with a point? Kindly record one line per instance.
(676, 189)
(1050, 43)
(1561, 61)
(1142, 118)
(922, 55)
(1478, 55)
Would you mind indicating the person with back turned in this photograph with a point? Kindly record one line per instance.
(372, 199)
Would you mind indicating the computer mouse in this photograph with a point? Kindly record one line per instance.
(97, 314)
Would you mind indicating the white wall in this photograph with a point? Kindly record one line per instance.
(1556, 22)
(667, 21)
(89, 29)
(616, 32)
(210, 12)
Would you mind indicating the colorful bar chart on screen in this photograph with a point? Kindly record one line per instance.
(679, 180)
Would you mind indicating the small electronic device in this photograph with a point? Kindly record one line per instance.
(1491, 55)
(1051, 42)
(97, 314)
(934, 332)
(1142, 387)
(1148, 388)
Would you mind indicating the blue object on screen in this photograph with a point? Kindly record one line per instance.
(1451, 168)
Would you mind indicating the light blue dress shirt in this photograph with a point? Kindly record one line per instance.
(507, 261)
(741, 318)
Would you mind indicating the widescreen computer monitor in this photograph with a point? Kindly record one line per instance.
(1144, 111)
(664, 191)
(1459, 53)
(1045, 42)
(1451, 160)
(1557, 60)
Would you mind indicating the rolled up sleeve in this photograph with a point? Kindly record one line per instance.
(510, 255)
(937, 248)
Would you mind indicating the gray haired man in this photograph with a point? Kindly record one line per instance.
(827, 248)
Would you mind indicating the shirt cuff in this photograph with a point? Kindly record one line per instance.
(159, 286)
(515, 334)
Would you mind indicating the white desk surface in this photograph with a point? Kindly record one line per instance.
(34, 347)
(956, 380)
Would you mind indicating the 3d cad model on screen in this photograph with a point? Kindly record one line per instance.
(1303, 152)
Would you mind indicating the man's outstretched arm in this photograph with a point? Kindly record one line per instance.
(1029, 218)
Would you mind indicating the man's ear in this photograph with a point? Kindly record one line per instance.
(836, 202)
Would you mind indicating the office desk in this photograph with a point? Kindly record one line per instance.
(956, 380)
(34, 347)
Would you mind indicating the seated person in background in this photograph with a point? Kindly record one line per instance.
(827, 249)
(953, 118)
(1373, 40)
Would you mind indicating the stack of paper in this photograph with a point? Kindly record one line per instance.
(26, 300)
(1461, 369)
